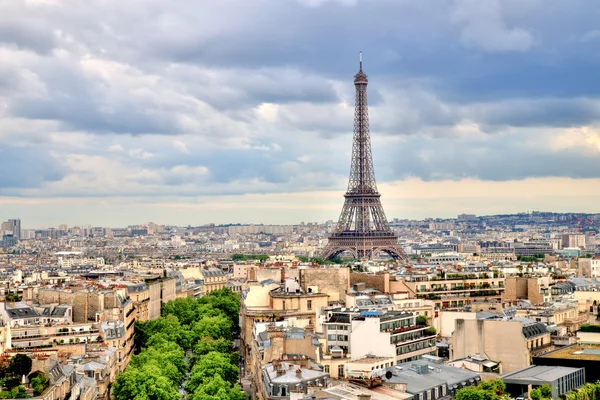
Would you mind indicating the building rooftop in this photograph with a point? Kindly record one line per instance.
(430, 372)
(575, 352)
(539, 373)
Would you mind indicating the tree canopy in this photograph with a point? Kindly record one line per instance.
(494, 389)
(203, 328)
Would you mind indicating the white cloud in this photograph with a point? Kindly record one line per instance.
(483, 26)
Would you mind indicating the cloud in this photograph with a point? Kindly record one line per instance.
(483, 27)
(257, 99)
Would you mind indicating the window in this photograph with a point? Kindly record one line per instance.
(331, 337)
(309, 304)
(284, 304)
(341, 371)
(327, 368)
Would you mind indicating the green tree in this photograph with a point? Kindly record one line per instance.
(207, 344)
(12, 297)
(421, 320)
(543, 392)
(238, 257)
(20, 365)
(213, 327)
(469, 393)
(169, 360)
(39, 383)
(217, 389)
(210, 365)
(144, 383)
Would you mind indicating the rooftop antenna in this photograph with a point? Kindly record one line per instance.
(360, 59)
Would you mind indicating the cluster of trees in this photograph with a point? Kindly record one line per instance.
(190, 347)
(543, 392)
(11, 374)
(244, 257)
(488, 390)
(589, 391)
(533, 258)
(590, 328)
(320, 261)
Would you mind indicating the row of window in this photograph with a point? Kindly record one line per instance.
(399, 323)
(409, 348)
(338, 327)
(405, 337)
(339, 338)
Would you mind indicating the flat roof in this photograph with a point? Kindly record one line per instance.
(575, 352)
(370, 360)
(539, 373)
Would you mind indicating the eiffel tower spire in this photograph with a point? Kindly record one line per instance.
(362, 229)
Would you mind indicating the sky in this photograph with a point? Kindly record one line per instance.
(241, 111)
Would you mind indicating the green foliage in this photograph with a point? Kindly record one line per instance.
(317, 260)
(20, 365)
(469, 393)
(421, 320)
(213, 327)
(494, 389)
(39, 383)
(302, 258)
(589, 391)
(144, 383)
(590, 328)
(217, 389)
(210, 365)
(431, 330)
(203, 326)
(12, 297)
(245, 257)
(207, 344)
(18, 392)
(543, 392)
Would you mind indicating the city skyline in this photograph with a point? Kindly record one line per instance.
(183, 119)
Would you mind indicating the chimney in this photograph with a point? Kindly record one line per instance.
(299, 373)
(282, 275)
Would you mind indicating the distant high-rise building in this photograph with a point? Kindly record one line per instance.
(467, 217)
(12, 227)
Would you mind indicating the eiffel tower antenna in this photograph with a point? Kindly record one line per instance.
(362, 229)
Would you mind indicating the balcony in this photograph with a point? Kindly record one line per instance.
(404, 329)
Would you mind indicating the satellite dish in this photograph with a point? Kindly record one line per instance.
(388, 375)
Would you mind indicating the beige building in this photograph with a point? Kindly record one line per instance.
(274, 302)
(510, 342)
(281, 344)
(453, 292)
(214, 279)
(146, 300)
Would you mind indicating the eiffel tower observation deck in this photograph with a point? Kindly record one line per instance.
(362, 229)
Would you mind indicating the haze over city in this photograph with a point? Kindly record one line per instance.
(159, 112)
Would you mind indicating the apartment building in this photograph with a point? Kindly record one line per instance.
(538, 290)
(146, 298)
(212, 279)
(269, 301)
(454, 291)
(511, 342)
(281, 344)
(352, 333)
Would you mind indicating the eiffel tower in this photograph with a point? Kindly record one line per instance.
(362, 229)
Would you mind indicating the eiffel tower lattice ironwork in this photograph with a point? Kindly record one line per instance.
(362, 228)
